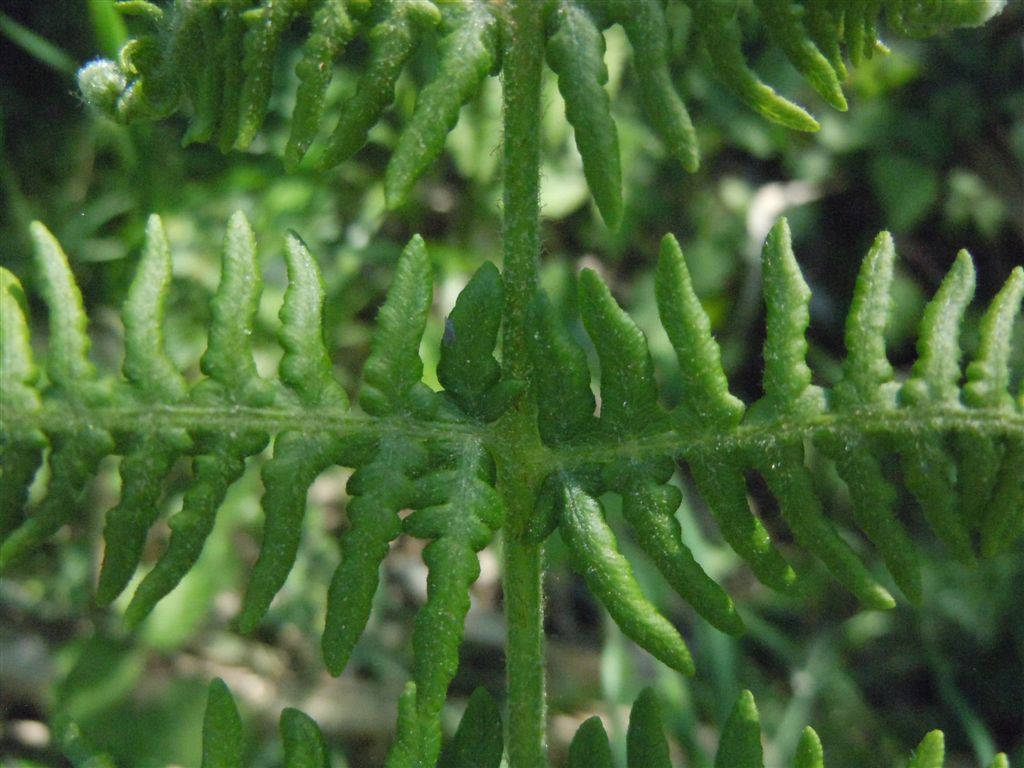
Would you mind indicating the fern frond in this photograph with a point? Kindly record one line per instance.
(931, 422)
(217, 59)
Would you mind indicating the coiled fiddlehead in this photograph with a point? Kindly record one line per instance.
(217, 59)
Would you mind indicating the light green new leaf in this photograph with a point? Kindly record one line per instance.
(809, 753)
(930, 753)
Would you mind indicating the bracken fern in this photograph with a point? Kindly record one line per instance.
(518, 445)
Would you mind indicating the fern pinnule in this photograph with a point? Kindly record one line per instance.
(468, 52)
(724, 44)
(20, 455)
(74, 455)
(809, 752)
(647, 30)
(645, 736)
(148, 456)
(298, 458)
(232, 380)
(331, 31)
(629, 408)
(467, 369)
(575, 52)
(392, 41)
(595, 554)
(303, 742)
(590, 747)
(782, 20)
(458, 510)
(706, 399)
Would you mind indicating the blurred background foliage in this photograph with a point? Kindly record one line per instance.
(932, 149)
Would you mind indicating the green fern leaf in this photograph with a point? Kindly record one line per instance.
(233, 379)
(458, 510)
(222, 729)
(609, 576)
(809, 753)
(467, 370)
(646, 27)
(721, 36)
(74, 455)
(576, 54)
(930, 753)
(298, 458)
(740, 745)
(478, 741)
(590, 747)
(393, 372)
(787, 30)
(21, 455)
(393, 41)
(332, 29)
(645, 738)
(468, 53)
(304, 745)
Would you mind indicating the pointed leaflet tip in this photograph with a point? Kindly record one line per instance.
(146, 363)
(67, 363)
(222, 729)
(304, 745)
(866, 367)
(394, 367)
(786, 296)
(645, 738)
(930, 753)
(306, 365)
(590, 747)
(740, 742)
(809, 753)
(988, 377)
(936, 374)
(478, 741)
(228, 358)
(705, 393)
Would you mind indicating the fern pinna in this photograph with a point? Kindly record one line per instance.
(518, 446)
(217, 60)
(435, 452)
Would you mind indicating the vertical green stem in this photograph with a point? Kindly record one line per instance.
(517, 478)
